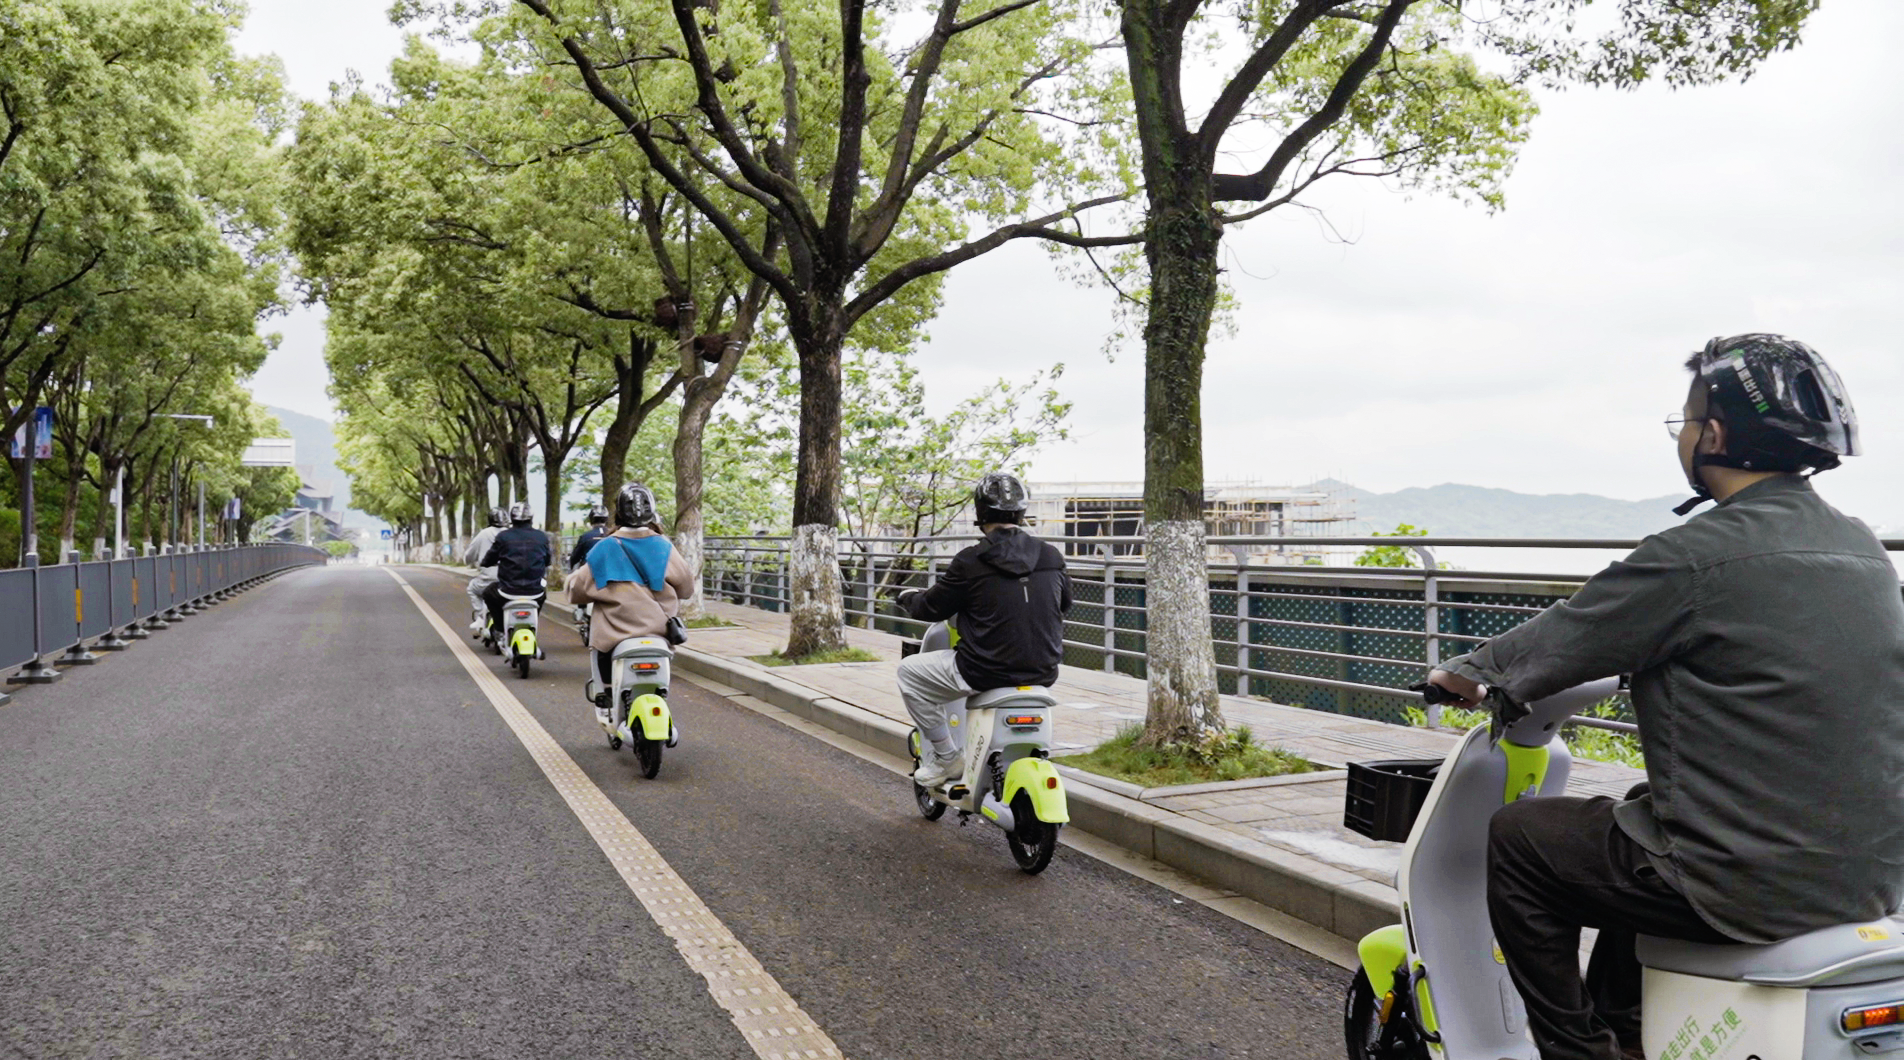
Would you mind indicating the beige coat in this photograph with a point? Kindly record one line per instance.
(629, 609)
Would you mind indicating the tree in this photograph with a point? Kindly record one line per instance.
(1372, 88)
(1391, 555)
(138, 247)
(870, 159)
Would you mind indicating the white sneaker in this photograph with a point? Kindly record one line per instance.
(935, 769)
(476, 624)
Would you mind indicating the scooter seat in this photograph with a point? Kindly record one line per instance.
(1843, 955)
(1029, 696)
(656, 647)
(521, 599)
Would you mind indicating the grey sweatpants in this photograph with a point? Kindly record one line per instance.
(928, 682)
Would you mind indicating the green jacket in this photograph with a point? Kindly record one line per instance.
(1766, 642)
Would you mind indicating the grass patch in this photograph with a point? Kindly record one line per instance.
(710, 622)
(1599, 745)
(844, 655)
(1234, 755)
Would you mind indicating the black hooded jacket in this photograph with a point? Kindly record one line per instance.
(1010, 593)
(521, 557)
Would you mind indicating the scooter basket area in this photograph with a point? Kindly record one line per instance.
(1385, 797)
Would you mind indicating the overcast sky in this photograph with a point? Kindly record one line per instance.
(1537, 349)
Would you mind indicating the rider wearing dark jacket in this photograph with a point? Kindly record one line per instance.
(521, 556)
(1765, 639)
(598, 529)
(1009, 593)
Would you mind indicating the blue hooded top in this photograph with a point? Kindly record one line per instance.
(643, 560)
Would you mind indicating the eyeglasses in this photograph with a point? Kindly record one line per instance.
(1676, 425)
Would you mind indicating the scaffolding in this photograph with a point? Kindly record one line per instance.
(1078, 511)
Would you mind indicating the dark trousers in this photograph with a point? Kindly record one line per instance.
(1557, 865)
(493, 597)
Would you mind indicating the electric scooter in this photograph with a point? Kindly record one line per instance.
(1005, 737)
(638, 710)
(521, 618)
(1435, 987)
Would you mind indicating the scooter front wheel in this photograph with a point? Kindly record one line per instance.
(929, 808)
(1368, 1037)
(1032, 841)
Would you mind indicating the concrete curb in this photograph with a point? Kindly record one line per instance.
(1305, 888)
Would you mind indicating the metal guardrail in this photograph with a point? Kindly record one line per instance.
(54, 609)
(1343, 639)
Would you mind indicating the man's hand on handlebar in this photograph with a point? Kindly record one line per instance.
(1458, 690)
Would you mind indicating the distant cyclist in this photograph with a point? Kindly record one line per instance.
(597, 529)
(521, 556)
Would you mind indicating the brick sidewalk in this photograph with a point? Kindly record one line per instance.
(1300, 815)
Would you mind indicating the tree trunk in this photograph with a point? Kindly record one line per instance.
(1184, 237)
(552, 513)
(819, 612)
(102, 514)
(690, 525)
(620, 435)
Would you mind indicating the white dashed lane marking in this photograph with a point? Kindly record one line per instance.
(775, 1027)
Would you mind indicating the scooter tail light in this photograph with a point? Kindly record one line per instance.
(647, 666)
(1051, 782)
(1858, 1019)
(1024, 719)
(522, 614)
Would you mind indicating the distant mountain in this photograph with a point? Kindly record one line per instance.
(1475, 511)
(317, 460)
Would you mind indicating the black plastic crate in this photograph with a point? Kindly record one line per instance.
(1384, 798)
(908, 648)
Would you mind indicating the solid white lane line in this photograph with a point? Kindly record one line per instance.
(773, 1025)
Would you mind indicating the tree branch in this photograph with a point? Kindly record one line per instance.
(1256, 186)
(891, 283)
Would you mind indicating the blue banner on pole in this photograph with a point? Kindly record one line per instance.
(42, 427)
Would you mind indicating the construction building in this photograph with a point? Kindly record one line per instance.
(1071, 513)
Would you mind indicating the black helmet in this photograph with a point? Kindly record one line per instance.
(999, 498)
(598, 515)
(635, 506)
(520, 514)
(498, 517)
(1783, 407)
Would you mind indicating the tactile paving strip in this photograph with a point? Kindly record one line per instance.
(774, 1026)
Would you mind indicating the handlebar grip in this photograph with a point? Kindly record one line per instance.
(1433, 694)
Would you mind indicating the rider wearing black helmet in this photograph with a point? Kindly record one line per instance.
(1009, 593)
(473, 557)
(1765, 639)
(597, 529)
(521, 557)
(636, 580)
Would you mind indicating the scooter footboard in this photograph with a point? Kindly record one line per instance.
(1477, 1011)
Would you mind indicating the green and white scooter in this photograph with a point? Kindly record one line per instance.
(1435, 987)
(638, 712)
(1005, 737)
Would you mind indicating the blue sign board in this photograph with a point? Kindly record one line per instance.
(42, 426)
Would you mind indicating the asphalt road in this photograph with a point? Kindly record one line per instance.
(293, 826)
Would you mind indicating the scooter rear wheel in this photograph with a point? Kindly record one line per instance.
(1032, 841)
(1368, 1038)
(647, 754)
(522, 665)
